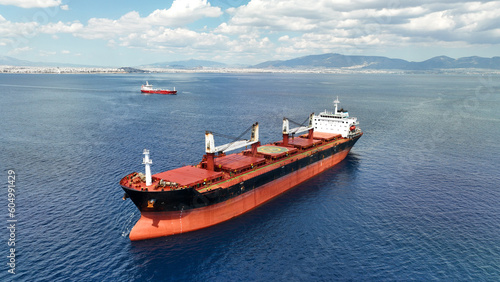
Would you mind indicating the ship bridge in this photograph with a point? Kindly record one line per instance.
(337, 122)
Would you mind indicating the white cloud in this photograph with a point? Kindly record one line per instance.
(43, 53)
(10, 29)
(356, 26)
(284, 38)
(224, 28)
(431, 22)
(61, 27)
(20, 50)
(262, 28)
(160, 30)
(32, 3)
(294, 15)
(102, 28)
(163, 37)
(178, 15)
(183, 12)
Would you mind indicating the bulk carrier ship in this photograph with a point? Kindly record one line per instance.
(223, 186)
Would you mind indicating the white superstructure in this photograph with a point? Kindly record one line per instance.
(336, 122)
(147, 86)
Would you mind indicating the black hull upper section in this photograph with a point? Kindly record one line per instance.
(185, 199)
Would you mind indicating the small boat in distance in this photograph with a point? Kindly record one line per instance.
(148, 88)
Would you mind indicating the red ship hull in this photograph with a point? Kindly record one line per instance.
(158, 224)
(168, 92)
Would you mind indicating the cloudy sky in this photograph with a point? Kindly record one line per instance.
(130, 32)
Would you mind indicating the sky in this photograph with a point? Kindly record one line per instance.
(133, 33)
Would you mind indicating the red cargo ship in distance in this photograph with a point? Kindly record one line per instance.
(148, 89)
(223, 186)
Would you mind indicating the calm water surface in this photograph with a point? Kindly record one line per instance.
(417, 198)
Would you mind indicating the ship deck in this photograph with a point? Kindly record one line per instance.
(323, 136)
(271, 151)
(230, 166)
(187, 176)
(238, 162)
(301, 143)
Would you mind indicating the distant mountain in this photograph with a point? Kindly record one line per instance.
(187, 64)
(443, 62)
(329, 60)
(5, 60)
(377, 62)
(336, 61)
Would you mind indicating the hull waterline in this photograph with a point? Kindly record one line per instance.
(166, 92)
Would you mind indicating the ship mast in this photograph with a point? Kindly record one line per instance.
(147, 162)
(336, 102)
(286, 131)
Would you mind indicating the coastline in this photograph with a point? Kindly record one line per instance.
(123, 70)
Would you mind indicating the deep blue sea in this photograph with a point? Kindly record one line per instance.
(418, 198)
